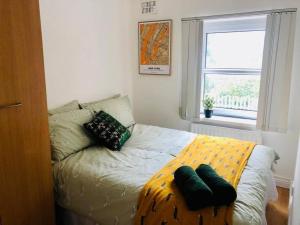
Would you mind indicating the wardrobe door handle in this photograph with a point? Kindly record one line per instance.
(11, 106)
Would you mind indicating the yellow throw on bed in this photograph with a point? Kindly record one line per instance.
(161, 203)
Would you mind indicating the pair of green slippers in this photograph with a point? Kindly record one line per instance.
(203, 187)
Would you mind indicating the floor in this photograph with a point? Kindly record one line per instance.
(277, 212)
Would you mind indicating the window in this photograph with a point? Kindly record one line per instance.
(244, 61)
(232, 64)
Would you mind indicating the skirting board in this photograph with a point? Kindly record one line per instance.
(282, 181)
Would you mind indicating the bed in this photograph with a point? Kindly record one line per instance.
(99, 186)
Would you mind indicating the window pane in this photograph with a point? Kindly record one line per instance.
(235, 50)
(238, 92)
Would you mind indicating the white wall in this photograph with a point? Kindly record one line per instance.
(86, 49)
(90, 51)
(156, 98)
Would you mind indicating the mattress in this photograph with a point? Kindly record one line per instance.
(100, 186)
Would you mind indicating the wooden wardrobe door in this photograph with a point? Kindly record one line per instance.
(8, 87)
(25, 166)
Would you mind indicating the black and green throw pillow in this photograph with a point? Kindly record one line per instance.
(108, 131)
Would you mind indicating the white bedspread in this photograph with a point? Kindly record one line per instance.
(104, 186)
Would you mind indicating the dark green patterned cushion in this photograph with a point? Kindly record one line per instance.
(108, 131)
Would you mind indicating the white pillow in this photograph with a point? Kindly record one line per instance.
(70, 106)
(67, 133)
(119, 108)
(85, 105)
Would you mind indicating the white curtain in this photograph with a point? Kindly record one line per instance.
(192, 39)
(276, 72)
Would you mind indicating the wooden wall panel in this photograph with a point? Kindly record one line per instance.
(25, 167)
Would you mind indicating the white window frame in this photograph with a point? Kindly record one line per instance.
(234, 24)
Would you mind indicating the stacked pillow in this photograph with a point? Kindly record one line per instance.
(89, 104)
(73, 105)
(70, 125)
(67, 134)
(117, 107)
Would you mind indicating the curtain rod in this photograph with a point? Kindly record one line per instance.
(241, 14)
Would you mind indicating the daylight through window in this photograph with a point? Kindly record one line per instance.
(232, 64)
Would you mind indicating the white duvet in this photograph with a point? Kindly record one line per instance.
(103, 186)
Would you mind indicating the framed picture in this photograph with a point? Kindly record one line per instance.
(155, 47)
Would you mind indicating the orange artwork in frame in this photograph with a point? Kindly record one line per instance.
(155, 47)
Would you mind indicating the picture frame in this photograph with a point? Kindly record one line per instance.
(154, 43)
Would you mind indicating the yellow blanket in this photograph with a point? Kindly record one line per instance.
(160, 202)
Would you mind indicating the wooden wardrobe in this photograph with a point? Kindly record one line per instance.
(25, 164)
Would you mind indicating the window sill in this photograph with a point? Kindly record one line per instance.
(230, 122)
